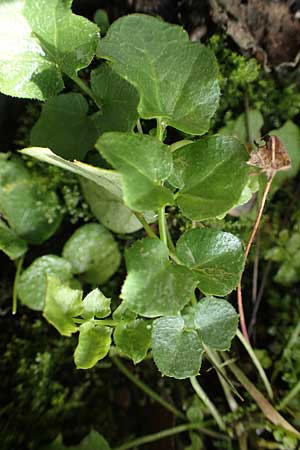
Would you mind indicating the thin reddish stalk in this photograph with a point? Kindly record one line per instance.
(248, 247)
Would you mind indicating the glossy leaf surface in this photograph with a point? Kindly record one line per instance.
(32, 284)
(39, 41)
(93, 253)
(211, 174)
(133, 339)
(154, 286)
(216, 258)
(177, 351)
(144, 164)
(65, 127)
(62, 305)
(95, 304)
(26, 202)
(93, 345)
(177, 80)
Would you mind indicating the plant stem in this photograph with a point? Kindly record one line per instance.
(249, 243)
(162, 226)
(141, 385)
(145, 224)
(208, 403)
(156, 436)
(257, 364)
(19, 265)
(139, 126)
(290, 395)
(85, 89)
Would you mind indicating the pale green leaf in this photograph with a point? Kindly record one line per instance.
(133, 339)
(65, 127)
(117, 100)
(95, 304)
(177, 351)
(108, 179)
(93, 253)
(240, 129)
(93, 344)
(31, 287)
(62, 305)
(31, 209)
(211, 174)
(39, 41)
(215, 257)
(110, 209)
(144, 163)
(177, 80)
(123, 313)
(13, 246)
(217, 322)
(155, 286)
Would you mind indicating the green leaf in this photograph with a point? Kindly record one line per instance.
(13, 246)
(93, 253)
(65, 127)
(217, 322)
(31, 209)
(177, 80)
(154, 286)
(123, 313)
(177, 351)
(215, 257)
(110, 209)
(102, 20)
(238, 127)
(117, 100)
(133, 339)
(95, 304)
(211, 174)
(31, 287)
(62, 305)
(93, 441)
(39, 41)
(108, 179)
(289, 134)
(144, 163)
(93, 344)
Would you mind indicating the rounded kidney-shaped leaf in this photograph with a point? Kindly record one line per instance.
(177, 80)
(133, 339)
(154, 286)
(31, 287)
(144, 163)
(13, 246)
(211, 174)
(215, 257)
(26, 202)
(93, 253)
(217, 322)
(177, 351)
(95, 304)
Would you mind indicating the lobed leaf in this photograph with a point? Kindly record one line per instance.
(95, 304)
(93, 253)
(177, 80)
(177, 351)
(215, 257)
(13, 246)
(32, 284)
(93, 344)
(144, 163)
(133, 339)
(154, 286)
(38, 42)
(211, 174)
(62, 305)
(65, 127)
